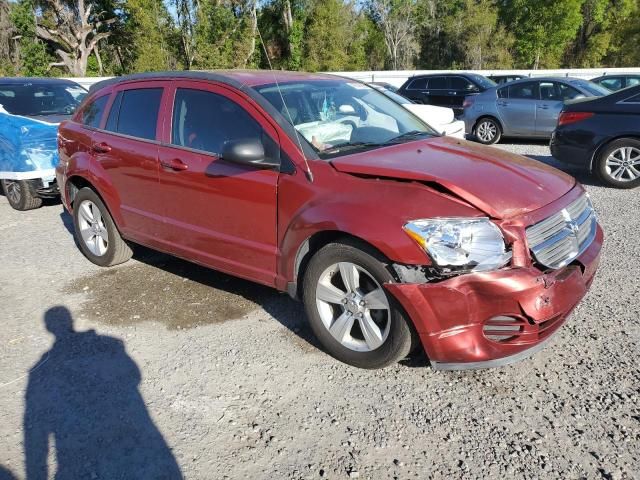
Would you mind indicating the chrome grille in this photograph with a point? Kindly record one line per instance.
(557, 240)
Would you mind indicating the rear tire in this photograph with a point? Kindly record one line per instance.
(618, 164)
(359, 323)
(487, 131)
(21, 194)
(95, 231)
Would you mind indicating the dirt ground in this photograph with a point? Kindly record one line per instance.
(160, 369)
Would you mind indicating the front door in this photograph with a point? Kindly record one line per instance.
(217, 213)
(127, 149)
(552, 97)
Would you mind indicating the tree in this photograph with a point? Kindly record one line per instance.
(544, 29)
(72, 29)
(326, 36)
(601, 21)
(396, 19)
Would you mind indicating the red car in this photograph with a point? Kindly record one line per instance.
(327, 189)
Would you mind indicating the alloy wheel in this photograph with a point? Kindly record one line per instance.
(487, 131)
(623, 164)
(13, 191)
(92, 228)
(353, 307)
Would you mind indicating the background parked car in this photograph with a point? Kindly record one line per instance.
(441, 119)
(500, 79)
(30, 110)
(524, 108)
(617, 82)
(602, 135)
(445, 90)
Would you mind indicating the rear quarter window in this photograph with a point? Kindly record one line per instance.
(91, 114)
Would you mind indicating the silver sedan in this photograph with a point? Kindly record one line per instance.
(524, 108)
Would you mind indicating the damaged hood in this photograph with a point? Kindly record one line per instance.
(499, 183)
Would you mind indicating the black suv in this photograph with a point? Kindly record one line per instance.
(445, 90)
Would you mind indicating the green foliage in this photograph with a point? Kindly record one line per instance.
(338, 35)
(544, 29)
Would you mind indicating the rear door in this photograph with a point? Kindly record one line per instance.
(127, 149)
(438, 91)
(518, 110)
(217, 213)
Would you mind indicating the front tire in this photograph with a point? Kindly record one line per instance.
(351, 314)
(487, 131)
(618, 165)
(96, 232)
(21, 194)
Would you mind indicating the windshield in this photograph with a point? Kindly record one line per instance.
(484, 82)
(41, 99)
(396, 97)
(338, 117)
(592, 88)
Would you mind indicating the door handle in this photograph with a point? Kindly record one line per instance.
(543, 107)
(101, 147)
(502, 104)
(452, 93)
(174, 164)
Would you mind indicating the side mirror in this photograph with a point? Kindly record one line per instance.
(247, 151)
(347, 110)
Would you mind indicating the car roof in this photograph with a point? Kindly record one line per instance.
(462, 74)
(35, 81)
(235, 78)
(546, 79)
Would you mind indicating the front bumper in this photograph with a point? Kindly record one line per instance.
(453, 317)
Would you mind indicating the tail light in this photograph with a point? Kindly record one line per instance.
(566, 118)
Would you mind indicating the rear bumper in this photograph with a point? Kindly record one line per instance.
(577, 152)
(454, 317)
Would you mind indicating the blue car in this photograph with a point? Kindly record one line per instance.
(523, 108)
(30, 111)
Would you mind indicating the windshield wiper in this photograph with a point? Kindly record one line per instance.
(410, 135)
(349, 146)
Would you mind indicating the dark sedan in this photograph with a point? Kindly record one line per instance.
(617, 82)
(444, 90)
(602, 135)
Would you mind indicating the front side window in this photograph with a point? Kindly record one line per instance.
(548, 91)
(337, 117)
(568, 93)
(205, 121)
(633, 81)
(32, 99)
(524, 91)
(460, 83)
(137, 114)
(92, 113)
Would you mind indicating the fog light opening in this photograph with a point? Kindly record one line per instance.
(503, 328)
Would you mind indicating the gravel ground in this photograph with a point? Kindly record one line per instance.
(172, 368)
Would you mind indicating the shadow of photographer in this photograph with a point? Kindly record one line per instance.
(83, 402)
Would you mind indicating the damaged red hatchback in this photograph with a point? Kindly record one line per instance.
(326, 188)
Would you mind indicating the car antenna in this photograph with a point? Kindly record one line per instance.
(308, 172)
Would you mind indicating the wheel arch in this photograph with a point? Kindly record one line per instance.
(78, 181)
(598, 150)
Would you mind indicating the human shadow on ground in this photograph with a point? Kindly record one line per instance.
(83, 402)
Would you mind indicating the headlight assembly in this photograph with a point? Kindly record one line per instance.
(461, 244)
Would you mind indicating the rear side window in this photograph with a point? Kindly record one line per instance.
(135, 113)
(524, 91)
(92, 113)
(613, 83)
(503, 92)
(633, 81)
(205, 121)
(438, 83)
(418, 84)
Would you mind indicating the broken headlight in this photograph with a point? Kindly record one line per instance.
(461, 244)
